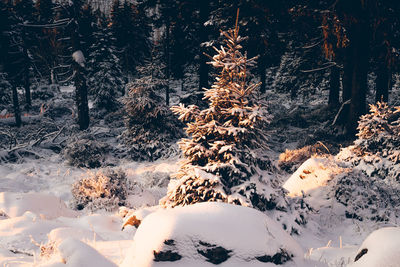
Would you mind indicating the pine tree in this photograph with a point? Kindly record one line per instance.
(151, 127)
(105, 73)
(223, 159)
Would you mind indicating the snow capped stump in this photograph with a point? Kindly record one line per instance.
(380, 249)
(210, 233)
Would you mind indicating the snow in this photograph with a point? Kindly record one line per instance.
(255, 234)
(75, 253)
(79, 58)
(381, 247)
(313, 173)
(47, 206)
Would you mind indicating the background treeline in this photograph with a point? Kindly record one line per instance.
(99, 46)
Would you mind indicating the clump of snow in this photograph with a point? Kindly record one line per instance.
(380, 248)
(46, 206)
(186, 235)
(79, 58)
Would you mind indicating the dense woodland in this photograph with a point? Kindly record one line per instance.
(100, 46)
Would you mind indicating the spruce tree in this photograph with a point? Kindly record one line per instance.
(151, 126)
(105, 74)
(223, 156)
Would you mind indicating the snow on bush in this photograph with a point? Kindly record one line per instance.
(290, 160)
(206, 234)
(225, 152)
(380, 248)
(86, 152)
(151, 128)
(105, 189)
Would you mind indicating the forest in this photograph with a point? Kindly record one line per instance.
(199, 133)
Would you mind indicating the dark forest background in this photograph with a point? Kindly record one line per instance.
(100, 46)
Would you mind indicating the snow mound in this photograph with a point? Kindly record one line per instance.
(75, 253)
(47, 206)
(312, 174)
(211, 232)
(380, 249)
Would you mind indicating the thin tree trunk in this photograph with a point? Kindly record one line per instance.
(168, 59)
(262, 73)
(17, 112)
(334, 89)
(81, 99)
(347, 74)
(383, 83)
(203, 66)
(27, 88)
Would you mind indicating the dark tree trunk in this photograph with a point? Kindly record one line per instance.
(81, 99)
(203, 66)
(262, 73)
(17, 112)
(347, 75)
(28, 102)
(360, 59)
(334, 89)
(168, 59)
(27, 88)
(81, 90)
(383, 82)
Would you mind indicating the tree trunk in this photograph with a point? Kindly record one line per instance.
(168, 59)
(81, 90)
(347, 74)
(334, 89)
(81, 99)
(203, 66)
(17, 112)
(262, 73)
(360, 59)
(27, 88)
(383, 82)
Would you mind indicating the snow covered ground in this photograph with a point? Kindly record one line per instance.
(37, 228)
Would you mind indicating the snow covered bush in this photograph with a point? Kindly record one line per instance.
(151, 127)
(376, 151)
(366, 197)
(372, 189)
(5, 89)
(224, 158)
(376, 131)
(86, 152)
(105, 189)
(290, 160)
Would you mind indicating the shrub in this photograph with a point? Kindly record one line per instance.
(105, 189)
(86, 152)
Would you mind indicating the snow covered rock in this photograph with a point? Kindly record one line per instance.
(210, 233)
(48, 206)
(313, 173)
(380, 249)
